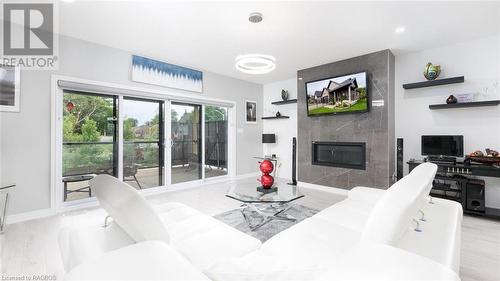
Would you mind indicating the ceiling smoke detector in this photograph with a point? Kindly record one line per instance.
(255, 17)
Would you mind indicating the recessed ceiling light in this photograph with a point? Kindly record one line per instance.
(400, 29)
(255, 63)
(255, 17)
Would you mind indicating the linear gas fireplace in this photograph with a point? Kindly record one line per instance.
(350, 155)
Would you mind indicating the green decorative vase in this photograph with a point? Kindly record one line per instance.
(284, 94)
(431, 71)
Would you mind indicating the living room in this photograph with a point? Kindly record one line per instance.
(206, 140)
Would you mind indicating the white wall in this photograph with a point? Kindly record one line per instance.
(479, 62)
(25, 136)
(285, 129)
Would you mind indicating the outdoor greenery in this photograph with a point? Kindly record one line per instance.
(362, 92)
(141, 154)
(215, 113)
(98, 108)
(87, 122)
(361, 105)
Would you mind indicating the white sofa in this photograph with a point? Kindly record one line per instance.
(369, 235)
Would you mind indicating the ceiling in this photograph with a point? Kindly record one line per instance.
(209, 35)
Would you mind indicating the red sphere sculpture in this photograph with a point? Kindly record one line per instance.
(266, 167)
(266, 181)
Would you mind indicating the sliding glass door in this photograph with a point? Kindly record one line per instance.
(89, 144)
(125, 137)
(185, 142)
(143, 150)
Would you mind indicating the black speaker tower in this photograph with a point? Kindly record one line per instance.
(399, 159)
(294, 161)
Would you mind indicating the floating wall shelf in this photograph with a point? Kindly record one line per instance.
(465, 104)
(276, 117)
(284, 101)
(438, 82)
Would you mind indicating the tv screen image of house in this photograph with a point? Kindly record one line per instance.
(342, 94)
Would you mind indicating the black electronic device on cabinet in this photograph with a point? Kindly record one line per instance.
(442, 146)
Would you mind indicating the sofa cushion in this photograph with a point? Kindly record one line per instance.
(296, 253)
(349, 213)
(368, 261)
(367, 195)
(128, 209)
(261, 265)
(173, 212)
(310, 241)
(202, 239)
(151, 260)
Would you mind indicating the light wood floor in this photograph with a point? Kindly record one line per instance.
(31, 247)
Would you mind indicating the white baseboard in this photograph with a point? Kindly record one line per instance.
(26, 216)
(324, 188)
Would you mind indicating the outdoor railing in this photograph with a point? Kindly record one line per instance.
(99, 157)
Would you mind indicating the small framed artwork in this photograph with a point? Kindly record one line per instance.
(10, 84)
(251, 112)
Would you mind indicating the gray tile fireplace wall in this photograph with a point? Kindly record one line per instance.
(375, 127)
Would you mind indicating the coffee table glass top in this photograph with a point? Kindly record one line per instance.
(246, 191)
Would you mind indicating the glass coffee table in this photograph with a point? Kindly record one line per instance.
(267, 205)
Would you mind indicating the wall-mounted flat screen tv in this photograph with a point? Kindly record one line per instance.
(336, 95)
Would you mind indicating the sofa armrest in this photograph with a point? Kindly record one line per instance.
(150, 260)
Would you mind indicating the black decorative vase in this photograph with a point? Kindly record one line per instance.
(278, 114)
(284, 94)
(451, 99)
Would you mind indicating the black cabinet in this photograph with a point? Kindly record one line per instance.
(454, 182)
